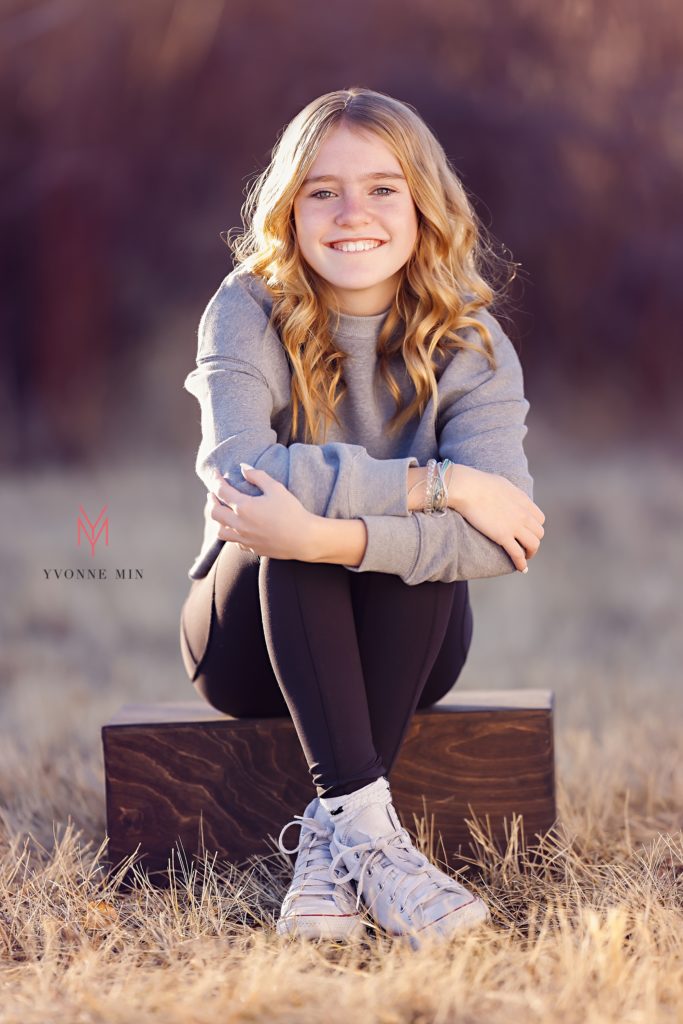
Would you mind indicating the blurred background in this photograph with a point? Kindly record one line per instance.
(129, 134)
(130, 131)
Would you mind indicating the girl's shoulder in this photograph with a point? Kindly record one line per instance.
(472, 363)
(241, 291)
(503, 348)
(236, 320)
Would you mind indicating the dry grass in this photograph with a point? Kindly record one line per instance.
(590, 930)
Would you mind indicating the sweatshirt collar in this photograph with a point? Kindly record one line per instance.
(365, 328)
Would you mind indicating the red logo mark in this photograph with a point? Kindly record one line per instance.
(89, 530)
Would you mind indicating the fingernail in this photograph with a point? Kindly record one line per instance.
(245, 465)
(526, 569)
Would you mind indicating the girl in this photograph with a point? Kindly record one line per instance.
(362, 422)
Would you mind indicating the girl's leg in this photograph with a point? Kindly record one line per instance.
(351, 700)
(311, 637)
(308, 670)
(413, 643)
(454, 650)
(326, 638)
(222, 643)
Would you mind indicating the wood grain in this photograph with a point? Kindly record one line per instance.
(173, 770)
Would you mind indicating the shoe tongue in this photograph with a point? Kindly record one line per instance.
(369, 822)
(321, 815)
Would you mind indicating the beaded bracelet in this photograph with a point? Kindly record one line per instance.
(429, 490)
(436, 497)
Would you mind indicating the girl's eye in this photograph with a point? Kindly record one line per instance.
(384, 188)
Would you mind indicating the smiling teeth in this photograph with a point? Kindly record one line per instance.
(354, 246)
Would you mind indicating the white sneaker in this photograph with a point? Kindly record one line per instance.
(316, 906)
(403, 891)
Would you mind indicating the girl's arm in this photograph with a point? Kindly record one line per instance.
(241, 381)
(482, 426)
(338, 541)
(488, 502)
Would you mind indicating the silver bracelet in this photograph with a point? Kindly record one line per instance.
(436, 491)
(440, 503)
(436, 500)
(437, 497)
(429, 491)
(432, 491)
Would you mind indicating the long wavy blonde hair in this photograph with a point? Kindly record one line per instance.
(441, 287)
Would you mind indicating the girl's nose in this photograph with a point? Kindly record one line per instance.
(352, 211)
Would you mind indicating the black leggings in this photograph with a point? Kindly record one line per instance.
(348, 656)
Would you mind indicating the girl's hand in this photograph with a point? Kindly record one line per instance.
(274, 523)
(498, 509)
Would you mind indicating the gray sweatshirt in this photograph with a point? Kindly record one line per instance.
(242, 383)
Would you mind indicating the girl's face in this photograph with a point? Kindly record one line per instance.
(355, 192)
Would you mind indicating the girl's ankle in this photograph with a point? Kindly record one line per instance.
(377, 791)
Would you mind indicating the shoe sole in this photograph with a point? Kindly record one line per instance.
(464, 919)
(314, 926)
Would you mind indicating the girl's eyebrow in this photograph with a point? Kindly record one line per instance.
(363, 177)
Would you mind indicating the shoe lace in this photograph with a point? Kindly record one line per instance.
(311, 871)
(396, 853)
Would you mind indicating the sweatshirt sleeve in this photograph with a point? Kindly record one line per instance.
(237, 360)
(481, 423)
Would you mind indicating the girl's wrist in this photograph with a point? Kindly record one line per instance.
(417, 486)
(337, 541)
(456, 476)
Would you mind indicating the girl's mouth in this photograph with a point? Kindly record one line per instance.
(361, 245)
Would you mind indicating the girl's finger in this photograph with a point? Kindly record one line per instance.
(518, 555)
(227, 511)
(229, 533)
(219, 503)
(215, 500)
(540, 515)
(220, 486)
(535, 527)
(528, 540)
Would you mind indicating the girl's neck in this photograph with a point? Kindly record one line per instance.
(358, 316)
(367, 301)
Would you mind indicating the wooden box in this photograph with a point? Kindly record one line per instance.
(171, 766)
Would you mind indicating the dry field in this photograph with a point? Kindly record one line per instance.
(591, 934)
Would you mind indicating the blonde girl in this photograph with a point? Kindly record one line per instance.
(363, 417)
